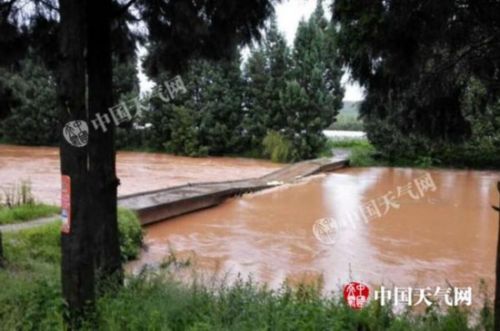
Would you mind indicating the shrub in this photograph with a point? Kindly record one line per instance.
(42, 243)
(184, 134)
(277, 147)
(130, 234)
(33, 117)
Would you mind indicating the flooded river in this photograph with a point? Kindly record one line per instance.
(425, 237)
(418, 235)
(138, 172)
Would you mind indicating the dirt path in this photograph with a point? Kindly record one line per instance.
(28, 224)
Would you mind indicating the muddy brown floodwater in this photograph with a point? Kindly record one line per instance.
(446, 235)
(138, 172)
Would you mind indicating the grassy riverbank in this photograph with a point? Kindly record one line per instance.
(30, 298)
(17, 205)
(364, 154)
(26, 213)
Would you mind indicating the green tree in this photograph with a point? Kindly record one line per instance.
(219, 107)
(314, 96)
(213, 100)
(415, 59)
(33, 118)
(183, 138)
(256, 98)
(266, 73)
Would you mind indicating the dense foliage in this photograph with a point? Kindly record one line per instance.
(294, 92)
(29, 111)
(424, 64)
(205, 120)
(291, 93)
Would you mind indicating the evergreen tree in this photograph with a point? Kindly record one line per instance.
(266, 73)
(415, 59)
(256, 98)
(214, 103)
(220, 112)
(184, 135)
(315, 92)
(16, 80)
(33, 117)
(294, 94)
(277, 53)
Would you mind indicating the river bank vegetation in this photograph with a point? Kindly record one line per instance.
(277, 102)
(155, 300)
(348, 117)
(17, 204)
(465, 156)
(432, 90)
(230, 108)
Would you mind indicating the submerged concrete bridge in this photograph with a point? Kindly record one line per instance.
(158, 205)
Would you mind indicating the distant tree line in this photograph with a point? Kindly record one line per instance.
(274, 105)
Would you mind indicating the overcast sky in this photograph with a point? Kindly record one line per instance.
(289, 13)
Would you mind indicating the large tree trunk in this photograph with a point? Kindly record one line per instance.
(103, 182)
(77, 261)
(91, 240)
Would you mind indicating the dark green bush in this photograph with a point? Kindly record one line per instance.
(183, 134)
(33, 117)
(130, 232)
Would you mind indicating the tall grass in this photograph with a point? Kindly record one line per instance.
(26, 213)
(17, 195)
(161, 303)
(18, 204)
(277, 147)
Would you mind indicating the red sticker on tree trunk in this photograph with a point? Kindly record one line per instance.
(66, 204)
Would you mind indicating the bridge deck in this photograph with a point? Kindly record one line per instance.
(158, 205)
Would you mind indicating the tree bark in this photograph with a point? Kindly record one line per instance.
(103, 181)
(77, 265)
